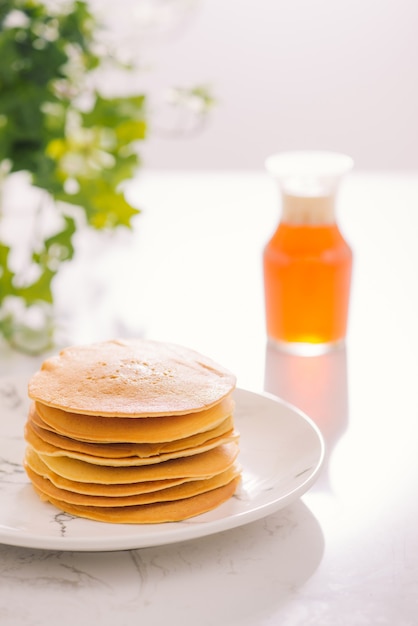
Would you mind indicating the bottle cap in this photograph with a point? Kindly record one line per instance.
(310, 172)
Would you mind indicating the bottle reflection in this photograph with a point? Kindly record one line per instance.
(317, 385)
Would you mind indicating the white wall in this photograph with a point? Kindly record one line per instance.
(293, 74)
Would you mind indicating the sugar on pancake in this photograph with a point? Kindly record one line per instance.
(132, 432)
(130, 378)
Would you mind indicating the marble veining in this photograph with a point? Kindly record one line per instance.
(13, 409)
(11, 472)
(10, 396)
(63, 519)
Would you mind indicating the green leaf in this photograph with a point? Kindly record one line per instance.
(39, 290)
(103, 205)
(57, 248)
(6, 276)
(131, 130)
(112, 112)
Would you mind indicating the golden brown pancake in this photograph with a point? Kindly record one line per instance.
(178, 492)
(33, 461)
(156, 513)
(121, 450)
(198, 466)
(45, 448)
(92, 428)
(130, 378)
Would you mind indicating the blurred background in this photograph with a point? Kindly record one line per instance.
(285, 74)
(226, 84)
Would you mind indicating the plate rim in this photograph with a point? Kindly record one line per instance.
(174, 532)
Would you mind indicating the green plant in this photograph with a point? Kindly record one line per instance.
(77, 144)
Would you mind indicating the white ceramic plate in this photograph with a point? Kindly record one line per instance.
(281, 452)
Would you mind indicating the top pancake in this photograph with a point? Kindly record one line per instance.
(130, 378)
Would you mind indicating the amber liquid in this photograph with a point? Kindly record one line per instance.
(307, 275)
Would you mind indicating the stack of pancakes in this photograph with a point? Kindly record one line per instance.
(132, 432)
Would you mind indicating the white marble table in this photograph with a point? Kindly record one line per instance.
(346, 553)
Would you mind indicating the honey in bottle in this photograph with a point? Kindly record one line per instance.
(307, 263)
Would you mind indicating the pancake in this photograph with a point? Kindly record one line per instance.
(178, 492)
(95, 428)
(34, 463)
(156, 513)
(198, 466)
(130, 378)
(121, 450)
(132, 431)
(44, 448)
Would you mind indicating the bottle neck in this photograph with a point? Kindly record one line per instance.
(308, 210)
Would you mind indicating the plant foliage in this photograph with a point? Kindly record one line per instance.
(77, 144)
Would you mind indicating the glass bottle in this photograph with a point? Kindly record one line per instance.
(307, 263)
